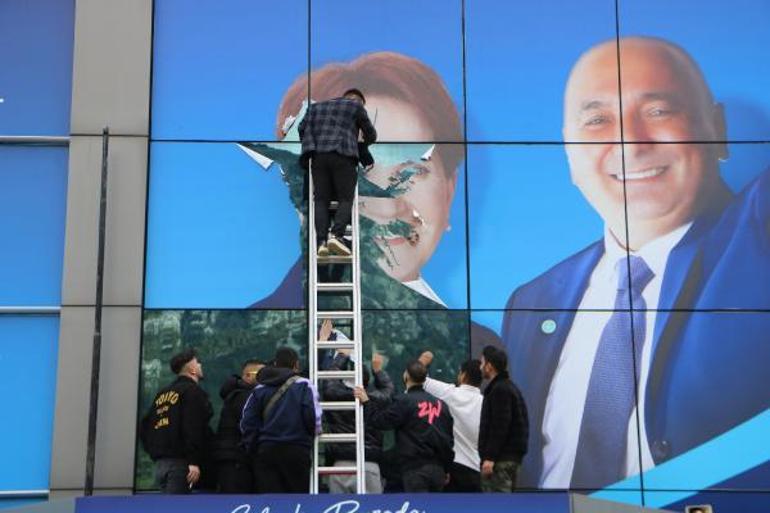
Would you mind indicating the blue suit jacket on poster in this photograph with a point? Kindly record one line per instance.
(709, 371)
(288, 294)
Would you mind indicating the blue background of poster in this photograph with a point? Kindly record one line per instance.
(505, 66)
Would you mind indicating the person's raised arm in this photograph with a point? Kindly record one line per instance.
(365, 125)
(392, 416)
(383, 385)
(443, 391)
(433, 386)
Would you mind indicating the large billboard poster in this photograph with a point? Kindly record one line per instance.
(582, 184)
(628, 239)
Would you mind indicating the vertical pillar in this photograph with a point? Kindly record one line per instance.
(111, 87)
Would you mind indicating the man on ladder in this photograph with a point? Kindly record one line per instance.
(331, 150)
(329, 133)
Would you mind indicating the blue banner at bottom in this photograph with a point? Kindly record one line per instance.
(396, 503)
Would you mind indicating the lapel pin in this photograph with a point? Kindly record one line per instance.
(548, 326)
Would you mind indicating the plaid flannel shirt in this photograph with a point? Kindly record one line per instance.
(333, 125)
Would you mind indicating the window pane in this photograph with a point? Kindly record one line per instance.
(28, 354)
(519, 55)
(33, 192)
(404, 55)
(224, 339)
(35, 87)
(738, 73)
(221, 68)
(223, 230)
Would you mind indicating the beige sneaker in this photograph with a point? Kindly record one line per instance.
(323, 250)
(338, 247)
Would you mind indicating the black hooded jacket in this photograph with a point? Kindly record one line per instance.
(294, 420)
(227, 444)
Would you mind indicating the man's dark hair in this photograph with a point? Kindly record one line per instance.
(416, 371)
(496, 357)
(251, 361)
(355, 92)
(285, 357)
(472, 370)
(178, 361)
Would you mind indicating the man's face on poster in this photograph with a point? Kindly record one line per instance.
(664, 101)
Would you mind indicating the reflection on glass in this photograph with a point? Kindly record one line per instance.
(224, 339)
(403, 336)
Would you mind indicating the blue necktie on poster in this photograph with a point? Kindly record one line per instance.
(601, 451)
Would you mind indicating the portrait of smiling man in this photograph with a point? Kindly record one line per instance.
(665, 101)
(621, 367)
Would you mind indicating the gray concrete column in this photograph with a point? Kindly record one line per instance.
(111, 87)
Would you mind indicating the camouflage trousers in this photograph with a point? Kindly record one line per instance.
(503, 478)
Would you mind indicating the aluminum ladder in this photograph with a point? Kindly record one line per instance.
(315, 317)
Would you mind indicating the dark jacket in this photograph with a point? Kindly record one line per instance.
(177, 423)
(295, 419)
(504, 429)
(379, 389)
(423, 427)
(333, 126)
(227, 444)
(364, 155)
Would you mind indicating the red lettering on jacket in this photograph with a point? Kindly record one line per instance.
(430, 410)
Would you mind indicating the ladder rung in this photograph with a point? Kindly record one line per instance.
(337, 470)
(335, 344)
(337, 438)
(334, 287)
(336, 374)
(338, 405)
(335, 259)
(332, 314)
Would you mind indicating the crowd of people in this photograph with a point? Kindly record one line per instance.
(447, 437)
(469, 436)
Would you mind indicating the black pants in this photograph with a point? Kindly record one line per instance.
(334, 177)
(426, 478)
(235, 477)
(171, 475)
(282, 468)
(463, 479)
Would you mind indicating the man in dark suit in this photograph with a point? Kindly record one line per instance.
(329, 133)
(624, 373)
